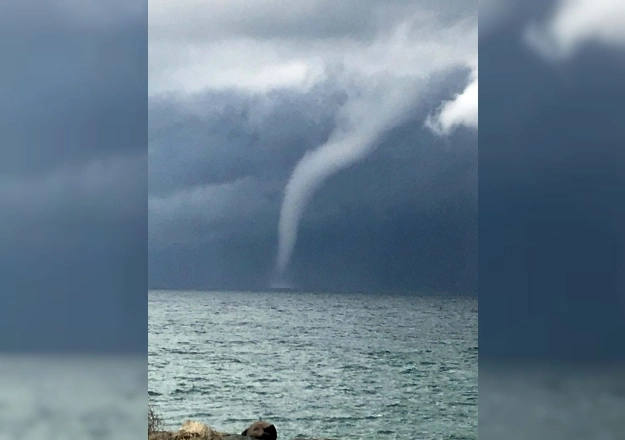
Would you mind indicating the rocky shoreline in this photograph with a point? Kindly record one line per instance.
(259, 430)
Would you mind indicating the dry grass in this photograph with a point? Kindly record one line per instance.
(154, 421)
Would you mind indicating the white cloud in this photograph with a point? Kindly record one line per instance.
(255, 66)
(257, 46)
(462, 110)
(575, 23)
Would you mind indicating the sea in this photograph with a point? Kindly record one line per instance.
(345, 366)
(63, 397)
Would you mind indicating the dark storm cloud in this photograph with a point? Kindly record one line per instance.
(73, 175)
(551, 201)
(221, 136)
(403, 248)
(219, 163)
(241, 92)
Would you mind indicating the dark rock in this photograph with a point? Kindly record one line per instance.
(261, 430)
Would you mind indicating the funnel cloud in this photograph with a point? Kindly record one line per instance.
(252, 114)
(365, 120)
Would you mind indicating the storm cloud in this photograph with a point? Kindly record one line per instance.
(552, 260)
(240, 93)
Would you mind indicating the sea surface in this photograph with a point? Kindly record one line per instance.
(348, 366)
(70, 398)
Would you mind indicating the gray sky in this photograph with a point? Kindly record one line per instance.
(73, 122)
(552, 242)
(240, 92)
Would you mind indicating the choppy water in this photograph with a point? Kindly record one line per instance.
(346, 366)
(69, 398)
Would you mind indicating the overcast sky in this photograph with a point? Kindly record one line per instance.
(73, 173)
(237, 97)
(240, 91)
(552, 199)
